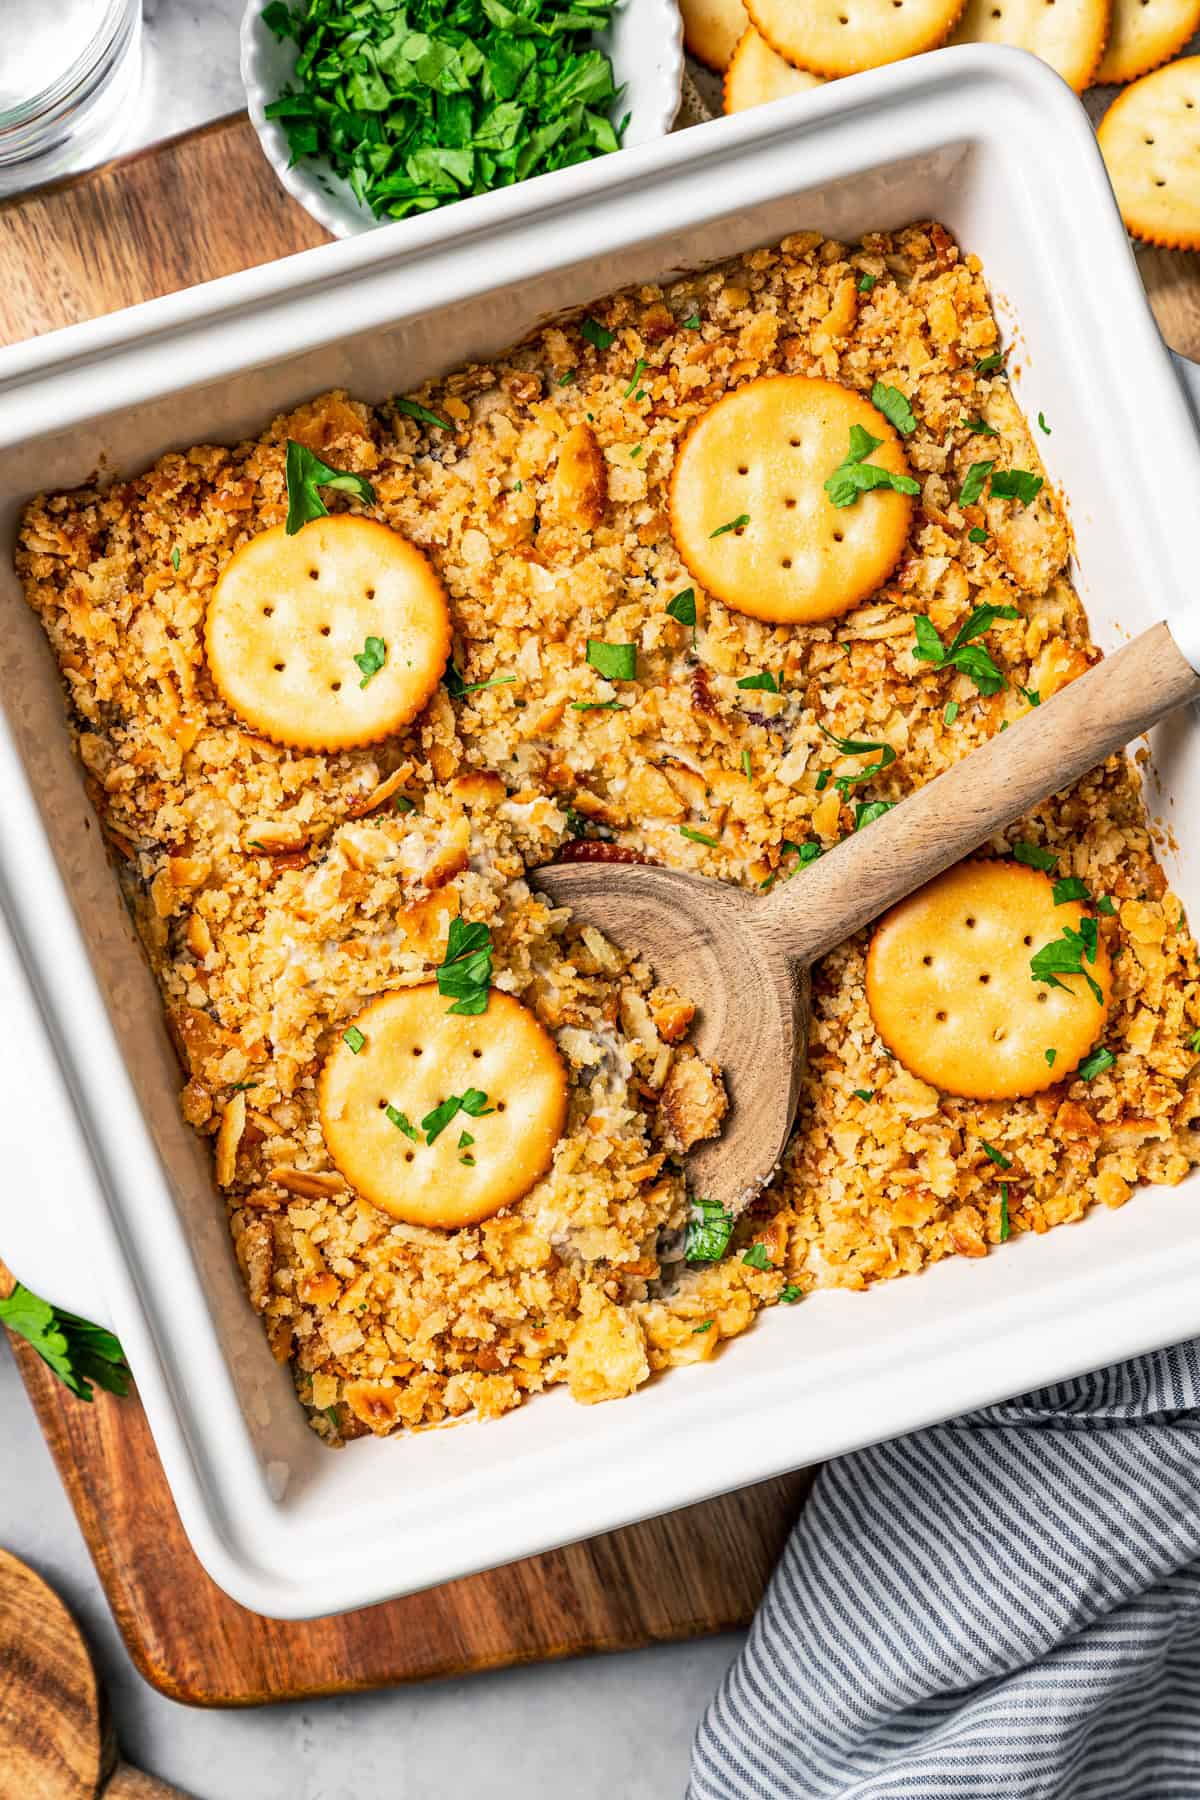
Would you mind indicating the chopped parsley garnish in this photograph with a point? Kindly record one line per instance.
(77, 1351)
(978, 534)
(951, 712)
(704, 1325)
(822, 781)
(974, 482)
(403, 804)
(697, 837)
(1050, 1056)
(1095, 1064)
(1105, 905)
(417, 107)
(997, 1156)
(980, 427)
(859, 747)
(709, 1230)
(465, 1140)
(866, 813)
(991, 365)
(305, 473)
(465, 973)
(568, 378)
(1004, 1225)
(864, 1093)
(963, 652)
(636, 451)
(371, 659)
(1070, 888)
(1065, 956)
(1034, 857)
(1029, 695)
(598, 706)
(747, 766)
(456, 687)
(241, 1087)
(1194, 1042)
(866, 282)
(691, 324)
(415, 410)
(895, 407)
(1043, 424)
(353, 1038)
(791, 1294)
(402, 1122)
(732, 525)
(616, 662)
(474, 1102)
(757, 1258)
(1016, 484)
(854, 475)
(639, 369)
(175, 558)
(596, 334)
(683, 609)
(804, 854)
(764, 680)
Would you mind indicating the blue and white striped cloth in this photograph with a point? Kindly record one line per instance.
(1008, 1604)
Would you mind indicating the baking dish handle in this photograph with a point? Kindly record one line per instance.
(47, 1167)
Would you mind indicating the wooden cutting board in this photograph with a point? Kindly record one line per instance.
(204, 205)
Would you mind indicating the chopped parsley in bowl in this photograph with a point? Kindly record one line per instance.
(385, 109)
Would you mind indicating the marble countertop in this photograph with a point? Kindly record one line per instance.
(509, 1736)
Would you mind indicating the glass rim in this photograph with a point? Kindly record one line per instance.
(115, 19)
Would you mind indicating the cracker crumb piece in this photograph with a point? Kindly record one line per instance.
(693, 1103)
(606, 1357)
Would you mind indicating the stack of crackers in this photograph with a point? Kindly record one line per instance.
(1150, 135)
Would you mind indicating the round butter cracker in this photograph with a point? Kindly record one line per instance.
(952, 994)
(1150, 141)
(1070, 35)
(1145, 34)
(711, 29)
(289, 616)
(841, 37)
(404, 1057)
(749, 512)
(756, 74)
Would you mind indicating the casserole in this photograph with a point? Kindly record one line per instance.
(963, 135)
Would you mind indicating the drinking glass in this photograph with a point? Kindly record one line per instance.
(69, 72)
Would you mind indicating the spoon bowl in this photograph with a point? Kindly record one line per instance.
(705, 938)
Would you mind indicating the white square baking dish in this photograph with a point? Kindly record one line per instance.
(130, 1228)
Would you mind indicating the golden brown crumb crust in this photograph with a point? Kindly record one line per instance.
(276, 890)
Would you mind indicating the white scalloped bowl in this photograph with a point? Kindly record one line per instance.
(644, 40)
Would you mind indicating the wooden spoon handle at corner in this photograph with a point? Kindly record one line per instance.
(1048, 749)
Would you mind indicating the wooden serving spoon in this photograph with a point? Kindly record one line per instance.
(744, 958)
(56, 1739)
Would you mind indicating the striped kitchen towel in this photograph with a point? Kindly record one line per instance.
(1008, 1604)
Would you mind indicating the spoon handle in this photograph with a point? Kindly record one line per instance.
(1048, 749)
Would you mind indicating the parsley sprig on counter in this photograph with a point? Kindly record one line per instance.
(420, 104)
(76, 1350)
